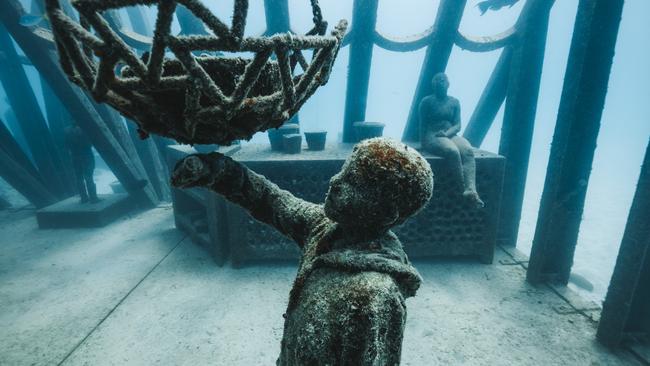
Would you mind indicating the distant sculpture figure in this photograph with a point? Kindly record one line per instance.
(439, 127)
(83, 163)
(346, 306)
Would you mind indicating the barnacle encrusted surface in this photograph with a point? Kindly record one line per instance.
(346, 305)
(193, 99)
(383, 183)
(398, 173)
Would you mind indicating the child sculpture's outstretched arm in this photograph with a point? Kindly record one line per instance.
(263, 199)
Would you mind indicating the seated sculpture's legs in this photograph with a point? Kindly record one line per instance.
(446, 149)
(469, 165)
(469, 169)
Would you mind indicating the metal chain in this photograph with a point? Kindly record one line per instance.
(319, 25)
(318, 15)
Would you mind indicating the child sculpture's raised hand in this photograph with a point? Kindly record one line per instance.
(346, 306)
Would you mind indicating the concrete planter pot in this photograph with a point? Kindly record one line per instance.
(275, 135)
(368, 130)
(316, 140)
(292, 143)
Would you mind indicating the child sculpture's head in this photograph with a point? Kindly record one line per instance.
(382, 184)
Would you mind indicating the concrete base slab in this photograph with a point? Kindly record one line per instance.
(129, 294)
(71, 213)
(56, 286)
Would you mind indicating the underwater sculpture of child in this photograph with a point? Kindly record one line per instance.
(347, 305)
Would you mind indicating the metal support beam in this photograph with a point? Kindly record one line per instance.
(39, 50)
(14, 127)
(574, 140)
(151, 160)
(364, 19)
(4, 203)
(520, 110)
(162, 143)
(23, 182)
(31, 121)
(445, 29)
(58, 119)
(627, 306)
(139, 23)
(18, 171)
(277, 16)
(188, 22)
(116, 125)
(276, 13)
(9, 144)
(491, 100)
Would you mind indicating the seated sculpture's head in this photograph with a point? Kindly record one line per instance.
(440, 84)
(382, 183)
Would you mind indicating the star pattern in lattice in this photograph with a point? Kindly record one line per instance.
(170, 91)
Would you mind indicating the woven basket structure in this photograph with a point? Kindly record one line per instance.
(193, 88)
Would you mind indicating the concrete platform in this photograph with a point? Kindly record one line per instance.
(139, 292)
(447, 226)
(70, 213)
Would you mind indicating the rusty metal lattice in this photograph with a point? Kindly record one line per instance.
(193, 99)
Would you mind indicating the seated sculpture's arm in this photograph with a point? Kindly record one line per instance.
(455, 122)
(430, 126)
(263, 199)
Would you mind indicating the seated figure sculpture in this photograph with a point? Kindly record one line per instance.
(347, 305)
(439, 127)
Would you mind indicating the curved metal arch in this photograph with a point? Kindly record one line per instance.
(403, 44)
(396, 44)
(132, 38)
(485, 43)
(135, 39)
